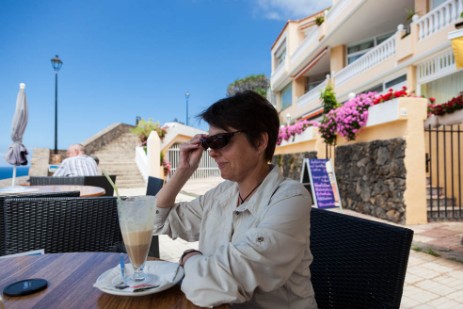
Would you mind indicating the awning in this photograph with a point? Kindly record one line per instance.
(311, 64)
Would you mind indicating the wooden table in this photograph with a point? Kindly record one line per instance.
(70, 279)
(84, 190)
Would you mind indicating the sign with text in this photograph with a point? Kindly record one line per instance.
(318, 177)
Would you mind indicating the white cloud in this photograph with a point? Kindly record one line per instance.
(291, 9)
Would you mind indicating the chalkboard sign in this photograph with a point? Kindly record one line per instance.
(318, 177)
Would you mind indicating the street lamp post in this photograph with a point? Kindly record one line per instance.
(56, 64)
(187, 96)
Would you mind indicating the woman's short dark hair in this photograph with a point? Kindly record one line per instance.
(247, 111)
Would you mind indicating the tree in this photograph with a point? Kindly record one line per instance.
(258, 83)
(144, 128)
(329, 99)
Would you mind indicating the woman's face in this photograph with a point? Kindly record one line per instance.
(238, 158)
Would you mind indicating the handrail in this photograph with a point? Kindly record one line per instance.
(375, 56)
(442, 16)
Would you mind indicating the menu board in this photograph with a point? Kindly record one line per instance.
(318, 177)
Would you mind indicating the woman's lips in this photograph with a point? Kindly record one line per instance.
(221, 165)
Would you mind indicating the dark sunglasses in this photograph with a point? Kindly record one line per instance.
(217, 141)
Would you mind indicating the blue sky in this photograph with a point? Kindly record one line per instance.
(128, 58)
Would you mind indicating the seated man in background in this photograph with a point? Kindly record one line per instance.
(77, 163)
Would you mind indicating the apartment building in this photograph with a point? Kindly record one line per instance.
(366, 45)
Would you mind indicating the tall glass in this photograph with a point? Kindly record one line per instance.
(136, 219)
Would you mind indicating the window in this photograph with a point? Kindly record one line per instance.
(286, 97)
(357, 50)
(280, 54)
(377, 88)
(436, 3)
(396, 81)
(313, 81)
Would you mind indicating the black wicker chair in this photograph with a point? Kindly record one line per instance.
(29, 195)
(98, 181)
(62, 225)
(50, 180)
(154, 185)
(101, 181)
(357, 263)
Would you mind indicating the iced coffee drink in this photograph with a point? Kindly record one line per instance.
(136, 219)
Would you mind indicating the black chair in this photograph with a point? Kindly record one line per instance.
(69, 224)
(29, 195)
(50, 180)
(98, 181)
(357, 263)
(101, 181)
(154, 185)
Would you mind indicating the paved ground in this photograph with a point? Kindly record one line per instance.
(435, 269)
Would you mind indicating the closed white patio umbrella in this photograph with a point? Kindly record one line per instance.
(17, 152)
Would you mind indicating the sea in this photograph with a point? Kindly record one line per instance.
(7, 171)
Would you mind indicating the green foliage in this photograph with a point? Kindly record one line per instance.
(329, 99)
(257, 83)
(319, 20)
(427, 250)
(410, 14)
(144, 128)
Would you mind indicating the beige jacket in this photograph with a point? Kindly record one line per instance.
(254, 256)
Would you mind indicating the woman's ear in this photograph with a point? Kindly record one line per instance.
(262, 142)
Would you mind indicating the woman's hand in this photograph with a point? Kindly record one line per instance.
(191, 153)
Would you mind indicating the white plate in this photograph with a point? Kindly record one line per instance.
(164, 272)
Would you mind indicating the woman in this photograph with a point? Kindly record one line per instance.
(253, 229)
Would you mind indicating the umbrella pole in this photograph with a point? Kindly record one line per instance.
(14, 176)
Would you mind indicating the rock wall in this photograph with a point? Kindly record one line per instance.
(371, 178)
(291, 164)
(105, 137)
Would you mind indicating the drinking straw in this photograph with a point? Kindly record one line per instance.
(112, 184)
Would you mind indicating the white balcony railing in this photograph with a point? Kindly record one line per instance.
(279, 75)
(311, 100)
(442, 64)
(442, 16)
(375, 56)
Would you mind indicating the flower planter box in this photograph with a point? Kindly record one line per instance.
(447, 119)
(383, 113)
(307, 135)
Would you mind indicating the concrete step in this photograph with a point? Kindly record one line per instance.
(440, 201)
(434, 191)
(442, 215)
(118, 158)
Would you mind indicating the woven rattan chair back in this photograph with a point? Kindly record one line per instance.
(357, 263)
(50, 180)
(29, 195)
(61, 224)
(101, 181)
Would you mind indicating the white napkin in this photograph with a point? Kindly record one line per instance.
(167, 273)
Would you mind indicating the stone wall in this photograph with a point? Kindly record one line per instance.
(42, 157)
(105, 136)
(39, 162)
(291, 164)
(371, 178)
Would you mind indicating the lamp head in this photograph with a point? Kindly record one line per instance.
(56, 63)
